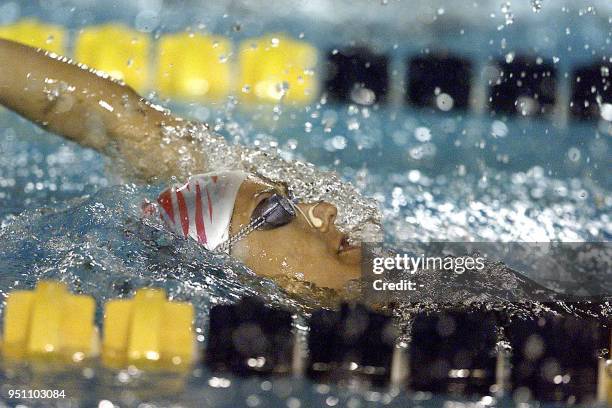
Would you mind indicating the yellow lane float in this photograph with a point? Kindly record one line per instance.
(275, 68)
(194, 66)
(36, 34)
(148, 331)
(117, 50)
(49, 323)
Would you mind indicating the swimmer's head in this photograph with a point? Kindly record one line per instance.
(310, 247)
(296, 239)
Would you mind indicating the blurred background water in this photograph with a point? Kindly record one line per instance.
(456, 175)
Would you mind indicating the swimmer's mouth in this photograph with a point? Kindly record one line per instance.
(345, 246)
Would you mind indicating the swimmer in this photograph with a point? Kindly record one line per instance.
(228, 199)
(280, 218)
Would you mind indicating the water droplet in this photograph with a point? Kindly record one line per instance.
(414, 176)
(352, 124)
(292, 144)
(536, 5)
(339, 142)
(422, 134)
(444, 102)
(363, 96)
(606, 111)
(499, 129)
(573, 154)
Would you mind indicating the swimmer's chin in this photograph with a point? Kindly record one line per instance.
(350, 256)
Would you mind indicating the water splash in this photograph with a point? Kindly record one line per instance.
(100, 245)
(358, 216)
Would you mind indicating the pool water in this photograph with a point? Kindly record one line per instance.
(66, 214)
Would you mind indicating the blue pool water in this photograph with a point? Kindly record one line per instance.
(65, 214)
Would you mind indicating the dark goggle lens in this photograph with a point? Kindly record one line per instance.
(275, 210)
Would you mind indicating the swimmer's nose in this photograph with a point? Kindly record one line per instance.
(327, 213)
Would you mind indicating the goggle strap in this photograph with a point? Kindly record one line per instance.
(244, 231)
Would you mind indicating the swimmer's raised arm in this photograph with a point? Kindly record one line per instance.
(92, 110)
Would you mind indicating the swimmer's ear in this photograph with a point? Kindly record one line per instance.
(316, 221)
(311, 219)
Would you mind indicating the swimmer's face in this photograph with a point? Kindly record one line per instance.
(310, 249)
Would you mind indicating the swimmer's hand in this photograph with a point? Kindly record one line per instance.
(95, 111)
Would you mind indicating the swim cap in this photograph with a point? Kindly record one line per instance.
(202, 208)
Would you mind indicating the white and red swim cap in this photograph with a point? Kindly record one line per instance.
(202, 208)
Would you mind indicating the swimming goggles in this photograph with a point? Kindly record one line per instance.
(272, 212)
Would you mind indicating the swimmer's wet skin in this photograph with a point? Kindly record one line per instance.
(110, 117)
